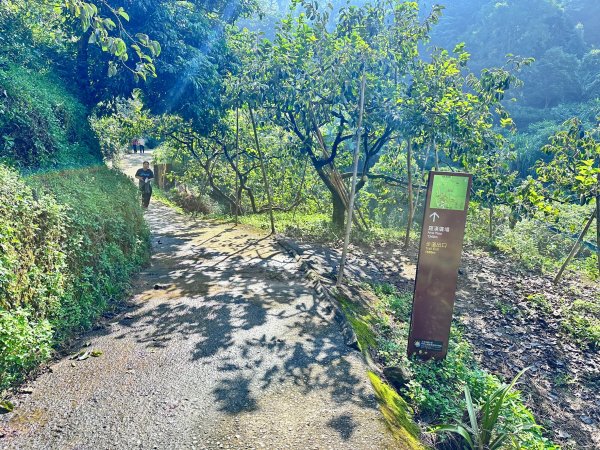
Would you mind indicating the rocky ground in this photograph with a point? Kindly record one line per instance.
(507, 330)
(223, 345)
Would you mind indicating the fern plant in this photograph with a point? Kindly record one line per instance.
(483, 431)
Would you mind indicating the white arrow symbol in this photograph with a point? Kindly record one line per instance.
(434, 216)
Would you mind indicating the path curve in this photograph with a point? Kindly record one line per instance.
(229, 352)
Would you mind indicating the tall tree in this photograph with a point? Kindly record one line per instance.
(309, 82)
(573, 173)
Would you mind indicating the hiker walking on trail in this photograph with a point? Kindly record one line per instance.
(145, 177)
(134, 145)
(142, 145)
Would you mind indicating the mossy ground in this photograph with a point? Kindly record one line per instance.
(397, 413)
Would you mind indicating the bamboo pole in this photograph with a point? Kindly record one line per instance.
(598, 222)
(263, 170)
(575, 247)
(354, 174)
(237, 155)
(411, 209)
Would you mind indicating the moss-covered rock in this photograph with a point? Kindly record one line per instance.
(397, 413)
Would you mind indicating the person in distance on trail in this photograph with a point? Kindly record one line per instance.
(145, 176)
(134, 145)
(142, 145)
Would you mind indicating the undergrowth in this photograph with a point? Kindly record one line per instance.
(538, 243)
(42, 124)
(70, 241)
(582, 323)
(534, 244)
(435, 390)
(317, 227)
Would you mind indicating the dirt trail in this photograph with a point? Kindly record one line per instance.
(229, 352)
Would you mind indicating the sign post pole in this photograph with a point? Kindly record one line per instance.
(442, 237)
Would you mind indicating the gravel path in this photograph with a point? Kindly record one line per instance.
(229, 352)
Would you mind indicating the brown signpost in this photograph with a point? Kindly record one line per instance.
(440, 250)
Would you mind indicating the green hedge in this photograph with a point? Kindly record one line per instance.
(69, 242)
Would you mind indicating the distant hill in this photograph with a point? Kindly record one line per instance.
(562, 35)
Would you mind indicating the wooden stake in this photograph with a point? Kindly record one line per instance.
(263, 170)
(354, 174)
(237, 155)
(575, 247)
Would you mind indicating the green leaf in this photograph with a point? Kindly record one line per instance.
(121, 12)
(456, 429)
(499, 441)
(112, 69)
(472, 413)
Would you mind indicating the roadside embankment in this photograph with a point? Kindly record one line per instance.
(69, 242)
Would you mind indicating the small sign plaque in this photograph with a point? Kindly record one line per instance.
(440, 250)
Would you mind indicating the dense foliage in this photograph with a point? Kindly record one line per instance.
(42, 123)
(425, 108)
(69, 245)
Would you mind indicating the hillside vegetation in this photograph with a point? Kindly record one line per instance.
(71, 230)
(42, 123)
(69, 246)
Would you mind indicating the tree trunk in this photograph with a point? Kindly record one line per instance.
(217, 192)
(339, 211)
(337, 198)
(411, 208)
(264, 171)
(250, 194)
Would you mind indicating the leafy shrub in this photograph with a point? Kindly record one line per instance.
(538, 243)
(31, 260)
(540, 302)
(41, 122)
(582, 321)
(195, 204)
(69, 242)
(107, 239)
(24, 343)
(486, 429)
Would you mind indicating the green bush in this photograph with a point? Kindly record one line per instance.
(582, 321)
(69, 242)
(540, 243)
(42, 123)
(24, 343)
